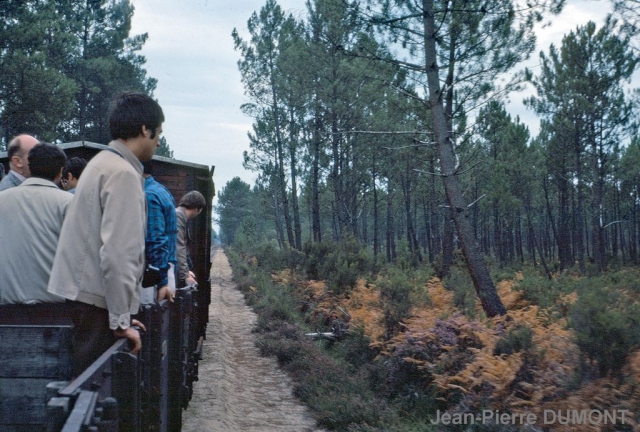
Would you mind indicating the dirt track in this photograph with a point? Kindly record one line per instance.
(238, 390)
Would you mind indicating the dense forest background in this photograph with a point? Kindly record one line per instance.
(349, 140)
(61, 62)
(409, 246)
(442, 257)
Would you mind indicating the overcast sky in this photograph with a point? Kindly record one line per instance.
(190, 52)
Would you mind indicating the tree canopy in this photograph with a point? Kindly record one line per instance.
(62, 62)
(386, 120)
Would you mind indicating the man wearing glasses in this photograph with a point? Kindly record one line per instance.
(71, 173)
(100, 257)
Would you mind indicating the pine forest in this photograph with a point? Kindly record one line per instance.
(415, 253)
(419, 258)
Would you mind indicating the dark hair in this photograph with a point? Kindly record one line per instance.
(130, 111)
(193, 200)
(46, 160)
(13, 147)
(147, 167)
(75, 166)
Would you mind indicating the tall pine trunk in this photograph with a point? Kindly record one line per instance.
(336, 178)
(434, 217)
(376, 238)
(478, 269)
(277, 216)
(597, 235)
(448, 232)
(297, 228)
(282, 180)
(579, 214)
(315, 177)
(391, 245)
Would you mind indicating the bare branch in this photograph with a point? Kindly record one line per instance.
(390, 21)
(379, 132)
(344, 312)
(429, 173)
(423, 144)
(319, 335)
(479, 198)
(614, 222)
(468, 169)
(409, 94)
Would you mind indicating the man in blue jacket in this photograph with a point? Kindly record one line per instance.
(162, 229)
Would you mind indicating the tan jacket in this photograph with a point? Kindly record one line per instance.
(100, 255)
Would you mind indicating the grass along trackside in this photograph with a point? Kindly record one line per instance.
(410, 349)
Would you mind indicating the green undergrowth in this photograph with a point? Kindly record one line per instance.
(604, 318)
(350, 386)
(346, 384)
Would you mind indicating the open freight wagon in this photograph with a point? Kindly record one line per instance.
(120, 391)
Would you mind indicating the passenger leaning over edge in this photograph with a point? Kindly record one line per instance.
(32, 215)
(191, 205)
(18, 150)
(100, 257)
(71, 173)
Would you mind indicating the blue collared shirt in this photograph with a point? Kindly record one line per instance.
(162, 228)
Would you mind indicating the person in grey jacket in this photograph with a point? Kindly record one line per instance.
(18, 151)
(190, 206)
(100, 257)
(32, 216)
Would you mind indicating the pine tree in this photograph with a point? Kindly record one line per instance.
(465, 45)
(164, 149)
(259, 69)
(503, 143)
(35, 94)
(580, 89)
(63, 62)
(104, 62)
(235, 203)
